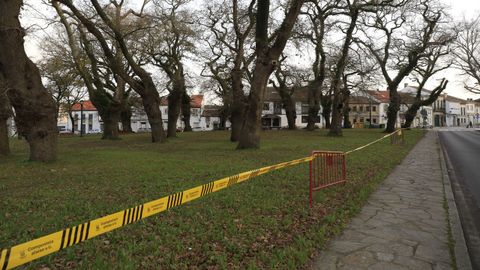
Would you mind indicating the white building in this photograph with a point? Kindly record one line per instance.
(91, 124)
(274, 115)
(139, 120)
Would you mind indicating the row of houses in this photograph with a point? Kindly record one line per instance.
(202, 118)
(369, 107)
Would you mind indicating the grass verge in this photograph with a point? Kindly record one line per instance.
(263, 223)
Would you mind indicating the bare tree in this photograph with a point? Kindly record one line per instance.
(360, 75)
(170, 38)
(62, 80)
(287, 80)
(352, 11)
(426, 68)
(313, 27)
(467, 52)
(140, 80)
(407, 33)
(265, 63)
(34, 108)
(231, 23)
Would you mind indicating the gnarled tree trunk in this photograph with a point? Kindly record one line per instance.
(5, 114)
(265, 63)
(250, 137)
(126, 116)
(238, 105)
(4, 146)
(174, 105)
(34, 107)
(186, 112)
(392, 111)
(313, 106)
(110, 125)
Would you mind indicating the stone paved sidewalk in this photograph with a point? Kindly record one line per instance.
(403, 225)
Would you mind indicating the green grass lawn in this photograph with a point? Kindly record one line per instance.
(262, 223)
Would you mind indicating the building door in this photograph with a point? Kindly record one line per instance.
(458, 122)
(437, 120)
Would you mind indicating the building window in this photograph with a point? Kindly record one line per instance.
(367, 108)
(354, 108)
(374, 120)
(360, 108)
(90, 121)
(374, 108)
(266, 106)
(305, 108)
(361, 119)
(305, 119)
(277, 108)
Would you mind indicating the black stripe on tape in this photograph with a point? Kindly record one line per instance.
(82, 228)
(141, 212)
(7, 257)
(138, 213)
(75, 236)
(63, 238)
(180, 198)
(135, 213)
(132, 213)
(168, 203)
(88, 230)
(124, 216)
(69, 237)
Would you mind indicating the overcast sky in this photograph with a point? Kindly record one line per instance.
(459, 9)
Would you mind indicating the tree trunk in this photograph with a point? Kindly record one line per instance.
(72, 118)
(289, 106)
(151, 104)
(126, 116)
(410, 115)
(5, 114)
(238, 106)
(346, 110)
(346, 119)
(4, 146)
(186, 112)
(110, 127)
(392, 111)
(34, 107)
(250, 137)
(326, 112)
(336, 125)
(174, 104)
(313, 106)
(291, 114)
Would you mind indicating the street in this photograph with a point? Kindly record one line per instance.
(462, 154)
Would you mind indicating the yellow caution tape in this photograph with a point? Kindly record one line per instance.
(399, 131)
(34, 249)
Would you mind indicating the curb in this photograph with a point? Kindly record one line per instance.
(460, 248)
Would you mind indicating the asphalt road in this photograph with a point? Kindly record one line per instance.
(462, 154)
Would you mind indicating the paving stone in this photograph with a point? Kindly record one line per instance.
(396, 248)
(412, 263)
(385, 257)
(359, 259)
(346, 246)
(386, 265)
(433, 253)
